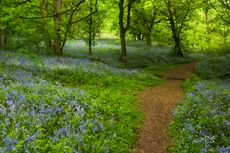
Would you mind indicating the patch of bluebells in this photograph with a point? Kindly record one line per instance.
(37, 109)
(225, 150)
(88, 66)
(201, 121)
(80, 66)
(35, 112)
(16, 59)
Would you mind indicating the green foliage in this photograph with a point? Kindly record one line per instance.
(190, 83)
(201, 120)
(216, 67)
(224, 49)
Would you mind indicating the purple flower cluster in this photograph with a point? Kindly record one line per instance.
(33, 109)
(40, 113)
(201, 122)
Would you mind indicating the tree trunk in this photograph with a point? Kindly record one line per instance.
(139, 36)
(57, 24)
(176, 38)
(122, 32)
(175, 30)
(148, 40)
(148, 35)
(90, 42)
(178, 50)
(123, 53)
(44, 29)
(2, 40)
(90, 29)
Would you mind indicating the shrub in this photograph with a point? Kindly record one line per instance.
(216, 67)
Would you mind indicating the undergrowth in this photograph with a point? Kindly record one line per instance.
(201, 120)
(139, 55)
(213, 68)
(53, 104)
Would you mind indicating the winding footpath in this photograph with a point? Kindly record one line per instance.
(158, 104)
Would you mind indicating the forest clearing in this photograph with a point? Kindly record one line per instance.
(119, 76)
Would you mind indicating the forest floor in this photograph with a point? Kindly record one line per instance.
(158, 104)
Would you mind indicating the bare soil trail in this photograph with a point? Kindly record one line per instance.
(158, 104)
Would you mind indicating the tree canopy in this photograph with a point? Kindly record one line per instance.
(46, 25)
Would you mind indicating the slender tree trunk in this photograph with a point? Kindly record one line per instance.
(122, 32)
(45, 31)
(123, 52)
(90, 41)
(206, 21)
(57, 25)
(208, 38)
(206, 18)
(2, 40)
(90, 29)
(123, 28)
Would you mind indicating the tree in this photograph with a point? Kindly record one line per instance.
(146, 16)
(4, 20)
(91, 27)
(53, 19)
(177, 12)
(124, 26)
(206, 9)
(2, 38)
(71, 19)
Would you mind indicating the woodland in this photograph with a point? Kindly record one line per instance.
(97, 76)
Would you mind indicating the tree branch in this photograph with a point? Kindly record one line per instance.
(83, 18)
(21, 3)
(183, 20)
(218, 13)
(51, 16)
(69, 23)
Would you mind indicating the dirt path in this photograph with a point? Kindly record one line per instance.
(158, 104)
